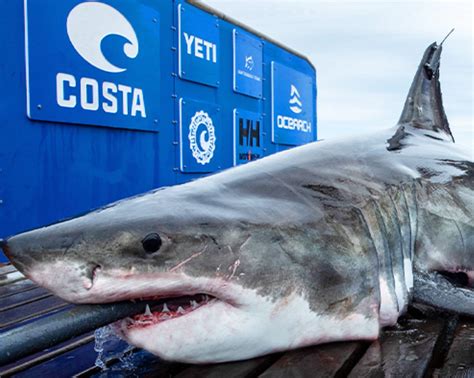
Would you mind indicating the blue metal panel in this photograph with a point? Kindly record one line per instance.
(248, 136)
(292, 106)
(199, 49)
(71, 164)
(89, 63)
(248, 64)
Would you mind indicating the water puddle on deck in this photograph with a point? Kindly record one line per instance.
(110, 348)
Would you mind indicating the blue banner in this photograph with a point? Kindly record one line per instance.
(198, 45)
(94, 63)
(248, 136)
(201, 136)
(248, 64)
(293, 113)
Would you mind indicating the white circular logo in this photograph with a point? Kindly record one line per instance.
(89, 23)
(202, 137)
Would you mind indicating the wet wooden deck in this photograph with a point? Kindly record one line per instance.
(420, 346)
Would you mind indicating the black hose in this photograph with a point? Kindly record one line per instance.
(52, 330)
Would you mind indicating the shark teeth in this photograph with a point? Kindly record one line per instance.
(147, 310)
(173, 308)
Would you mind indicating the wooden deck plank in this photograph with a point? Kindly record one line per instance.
(16, 287)
(5, 269)
(319, 361)
(30, 311)
(45, 355)
(403, 351)
(460, 359)
(64, 365)
(8, 278)
(22, 298)
(139, 364)
(247, 368)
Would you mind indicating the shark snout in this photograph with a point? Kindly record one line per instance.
(19, 250)
(51, 267)
(31, 250)
(15, 253)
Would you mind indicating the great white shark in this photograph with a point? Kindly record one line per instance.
(325, 242)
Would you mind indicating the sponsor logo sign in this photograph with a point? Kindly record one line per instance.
(248, 64)
(201, 136)
(248, 136)
(198, 45)
(92, 63)
(293, 108)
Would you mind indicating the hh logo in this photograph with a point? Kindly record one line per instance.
(248, 136)
(87, 25)
(295, 102)
(202, 137)
(249, 133)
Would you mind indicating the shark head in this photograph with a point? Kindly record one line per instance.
(233, 284)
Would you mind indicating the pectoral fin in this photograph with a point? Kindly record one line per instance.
(433, 289)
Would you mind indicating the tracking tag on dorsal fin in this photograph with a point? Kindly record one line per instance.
(424, 104)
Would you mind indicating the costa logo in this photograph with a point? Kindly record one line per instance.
(87, 26)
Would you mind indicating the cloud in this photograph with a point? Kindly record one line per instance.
(366, 53)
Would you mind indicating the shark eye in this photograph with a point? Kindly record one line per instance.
(151, 243)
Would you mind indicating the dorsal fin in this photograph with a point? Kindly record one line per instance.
(424, 104)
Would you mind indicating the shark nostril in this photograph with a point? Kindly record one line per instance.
(151, 243)
(90, 280)
(95, 272)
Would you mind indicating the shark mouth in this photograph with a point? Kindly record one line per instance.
(167, 309)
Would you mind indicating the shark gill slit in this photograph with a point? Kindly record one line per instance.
(376, 230)
(388, 250)
(399, 254)
(415, 219)
(402, 220)
(411, 220)
(408, 204)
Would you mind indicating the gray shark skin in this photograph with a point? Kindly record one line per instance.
(320, 243)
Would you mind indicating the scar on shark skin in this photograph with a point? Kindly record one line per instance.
(234, 267)
(173, 269)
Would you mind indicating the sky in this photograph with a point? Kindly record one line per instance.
(366, 54)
